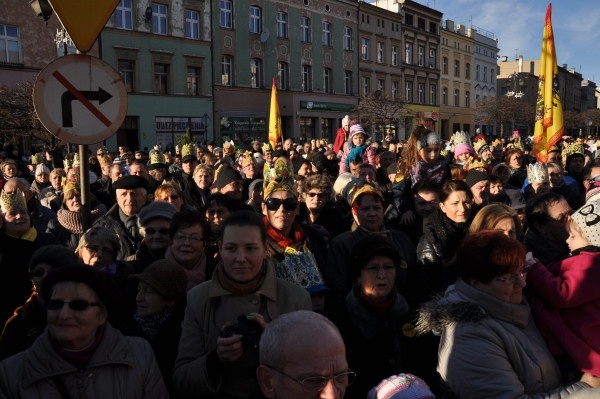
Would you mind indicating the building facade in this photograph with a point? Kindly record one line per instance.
(485, 60)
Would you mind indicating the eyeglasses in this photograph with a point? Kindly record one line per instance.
(317, 383)
(182, 238)
(151, 231)
(318, 195)
(97, 248)
(374, 270)
(78, 305)
(289, 204)
(514, 276)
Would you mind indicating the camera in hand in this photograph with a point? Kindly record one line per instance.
(248, 329)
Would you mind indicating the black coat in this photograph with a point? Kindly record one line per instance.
(22, 329)
(112, 221)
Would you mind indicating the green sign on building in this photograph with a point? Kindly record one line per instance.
(325, 107)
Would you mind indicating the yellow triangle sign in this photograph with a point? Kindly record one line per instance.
(84, 20)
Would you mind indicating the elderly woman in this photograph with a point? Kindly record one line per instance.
(51, 197)
(200, 190)
(170, 192)
(68, 225)
(79, 342)
(212, 364)
(484, 313)
(160, 306)
(188, 232)
(498, 217)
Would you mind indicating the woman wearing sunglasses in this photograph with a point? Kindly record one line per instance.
(80, 355)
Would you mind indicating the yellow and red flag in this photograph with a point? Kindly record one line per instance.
(275, 132)
(549, 125)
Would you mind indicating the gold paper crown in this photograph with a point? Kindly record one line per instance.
(228, 148)
(475, 163)
(71, 186)
(479, 144)
(279, 178)
(37, 158)
(156, 158)
(518, 144)
(13, 202)
(186, 144)
(461, 138)
(246, 159)
(574, 148)
(497, 143)
(266, 147)
(104, 161)
(362, 187)
(67, 163)
(76, 159)
(537, 173)
(187, 149)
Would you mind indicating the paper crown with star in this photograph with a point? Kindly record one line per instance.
(279, 178)
(537, 173)
(13, 202)
(476, 163)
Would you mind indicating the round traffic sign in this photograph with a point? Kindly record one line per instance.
(80, 99)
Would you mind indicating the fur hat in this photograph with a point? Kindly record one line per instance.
(166, 278)
(588, 219)
(475, 176)
(401, 386)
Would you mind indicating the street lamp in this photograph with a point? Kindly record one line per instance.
(42, 9)
(515, 79)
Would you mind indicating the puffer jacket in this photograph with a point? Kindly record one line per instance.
(121, 367)
(490, 348)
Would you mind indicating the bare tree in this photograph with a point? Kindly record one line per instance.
(379, 111)
(502, 109)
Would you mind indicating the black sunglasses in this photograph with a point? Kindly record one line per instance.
(78, 305)
(150, 231)
(289, 204)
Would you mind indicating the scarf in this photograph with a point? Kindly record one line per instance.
(152, 324)
(130, 223)
(236, 287)
(80, 358)
(429, 172)
(195, 274)
(381, 308)
(72, 221)
(30, 235)
(356, 152)
(284, 241)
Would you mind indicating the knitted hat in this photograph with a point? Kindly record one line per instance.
(156, 209)
(99, 281)
(430, 138)
(345, 120)
(588, 219)
(357, 129)
(475, 176)
(370, 246)
(166, 278)
(252, 186)
(55, 255)
(41, 169)
(225, 175)
(343, 180)
(401, 386)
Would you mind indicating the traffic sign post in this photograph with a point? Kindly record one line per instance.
(80, 99)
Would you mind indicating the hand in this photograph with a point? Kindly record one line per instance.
(258, 318)
(407, 218)
(591, 380)
(229, 349)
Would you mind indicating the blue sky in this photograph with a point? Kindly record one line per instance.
(519, 24)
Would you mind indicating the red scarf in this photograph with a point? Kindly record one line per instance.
(283, 241)
(380, 308)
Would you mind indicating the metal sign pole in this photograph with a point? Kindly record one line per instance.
(84, 176)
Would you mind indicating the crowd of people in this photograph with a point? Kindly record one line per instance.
(423, 268)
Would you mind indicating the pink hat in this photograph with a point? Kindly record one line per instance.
(357, 129)
(463, 149)
(401, 386)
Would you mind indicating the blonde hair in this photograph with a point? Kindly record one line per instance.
(490, 215)
(102, 234)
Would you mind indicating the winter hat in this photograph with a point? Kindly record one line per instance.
(357, 129)
(54, 255)
(588, 219)
(41, 169)
(166, 278)
(475, 176)
(462, 143)
(345, 121)
(401, 386)
(130, 182)
(253, 185)
(156, 209)
(226, 175)
(429, 138)
(370, 246)
(343, 180)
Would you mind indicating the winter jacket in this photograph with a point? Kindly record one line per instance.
(566, 305)
(368, 156)
(112, 221)
(121, 367)
(490, 348)
(198, 371)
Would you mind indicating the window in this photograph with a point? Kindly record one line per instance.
(327, 80)
(457, 68)
(127, 72)
(445, 65)
(123, 15)
(306, 78)
(477, 72)
(380, 52)
(366, 86)
(421, 93)
(348, 83)
(227, 70)
(467, 70)
(408, 50)
(394, 89)
(327, 34)
(395, 55)
(159, 19)
(347, 38)
(255, 76)
(226, 13)
(408, 92)
(409, 20)
(456, 98)
(421, 56)
(485, 74)
(192, 24)
(255, 19)
(161, 79)
(282, 25)
(432, 27)
(10, 46)
(305, 35)
(492, 75)
(421, 23)
(432, 95)
(364, 49)
(467, 99)
(381, 86)
(192, 81)
(445, 96)
(432, 58)
(282, 76)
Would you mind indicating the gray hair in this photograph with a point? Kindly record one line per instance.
(287, 327)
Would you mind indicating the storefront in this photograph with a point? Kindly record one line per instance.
(243, 128)
(170, 129)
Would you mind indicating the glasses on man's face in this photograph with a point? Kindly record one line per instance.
(184, 238)
(151, 231)
(78, 305)
(289, 204)
(317, 383)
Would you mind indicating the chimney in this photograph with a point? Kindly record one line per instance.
(450, 25)
(504, 58)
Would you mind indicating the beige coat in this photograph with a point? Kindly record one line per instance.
(198, 372)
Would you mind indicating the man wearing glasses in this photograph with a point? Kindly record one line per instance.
(297, 363)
